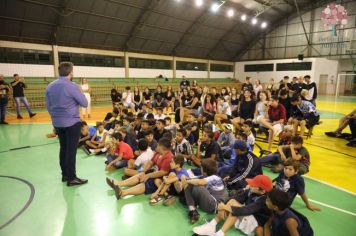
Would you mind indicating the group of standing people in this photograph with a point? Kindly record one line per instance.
(16, 88)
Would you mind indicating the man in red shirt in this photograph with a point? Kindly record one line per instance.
(143, 183)
(122, 153)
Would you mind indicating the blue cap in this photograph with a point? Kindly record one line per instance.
(241, 145)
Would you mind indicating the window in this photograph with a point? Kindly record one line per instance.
(259, 67)
(44, 59)
(150, 63)
(222, 68)
(23, 56)
(294, 66)
(80, 59)
(183, 65)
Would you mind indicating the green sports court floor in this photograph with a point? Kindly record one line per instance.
(34, 201)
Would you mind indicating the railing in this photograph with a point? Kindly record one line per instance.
(101, 88)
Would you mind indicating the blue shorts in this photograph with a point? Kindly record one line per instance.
(150, 186)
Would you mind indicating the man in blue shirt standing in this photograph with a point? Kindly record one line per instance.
(63, 99)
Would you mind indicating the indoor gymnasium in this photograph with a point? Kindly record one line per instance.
(177, 117)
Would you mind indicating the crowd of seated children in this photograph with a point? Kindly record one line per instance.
(141, 138)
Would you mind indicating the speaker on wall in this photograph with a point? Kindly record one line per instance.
(300, 57)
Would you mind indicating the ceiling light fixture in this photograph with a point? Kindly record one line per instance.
(243, 17)
(264, 25)
(199, 3)
(230, 13)
(254, 21)
(215, 7)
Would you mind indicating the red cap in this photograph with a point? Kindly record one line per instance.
(261, 181)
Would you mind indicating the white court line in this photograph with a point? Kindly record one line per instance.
(331, 207)
(331, 185)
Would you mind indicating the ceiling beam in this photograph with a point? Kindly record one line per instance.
(139, 22)
(59, 21)
(188, 31)
(276, 24)
(268, 5)
(86, 21)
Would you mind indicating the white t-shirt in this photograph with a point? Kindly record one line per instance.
(100, 136)
(225, 108)
(215, 183)
(128, 98)
(85, 88)
(160, 117)
(142, 159)
(251, 139)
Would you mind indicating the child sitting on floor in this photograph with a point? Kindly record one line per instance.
(171, 184)
(285, 221)
(247, 211)
(145, 154)
(291, 182)
(99, 139)
(121, 155)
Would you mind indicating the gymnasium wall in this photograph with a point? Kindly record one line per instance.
(98, 72)
(8, 69)
(320, 66)
(148, 73)
(215, 74)
(102, 71)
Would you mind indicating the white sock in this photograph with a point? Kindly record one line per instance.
(219, 233)
(213, 222)
(191, 208)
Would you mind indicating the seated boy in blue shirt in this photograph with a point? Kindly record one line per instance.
(170, 185)
(285, 221)
(290, 181)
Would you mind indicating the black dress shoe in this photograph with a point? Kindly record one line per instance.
(32, 115)
(64, 178)
(77, 181)
(4, 123)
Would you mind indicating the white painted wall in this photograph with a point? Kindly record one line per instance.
(98, 72)
(320, 66)
(26, 70)
(149, 73)
(221, 75)
(191, 74)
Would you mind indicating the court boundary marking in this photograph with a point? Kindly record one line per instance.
(28, 203)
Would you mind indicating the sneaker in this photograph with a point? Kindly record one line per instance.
(92, 151)
(32, 115)
(19, 117)
(169, 200)
(104, 149)
(205, 229)
(194, 216)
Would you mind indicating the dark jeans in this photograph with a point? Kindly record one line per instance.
(273, 158)
(199, 195)
(3, 105)
(120, 164)
(68, 140)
